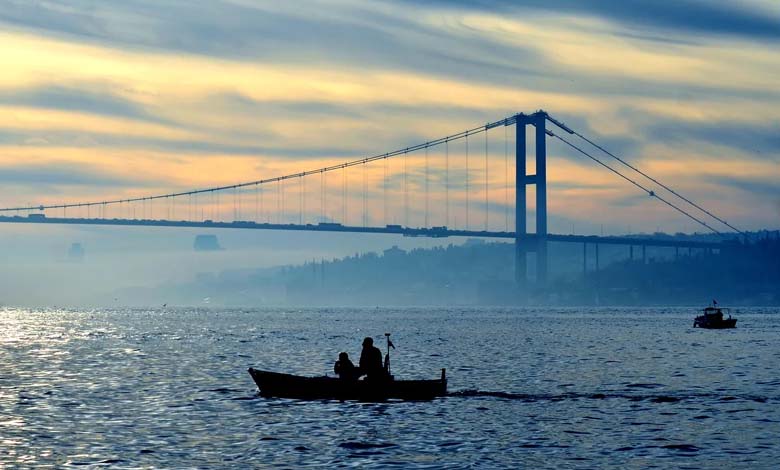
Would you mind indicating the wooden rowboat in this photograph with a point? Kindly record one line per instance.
(274, 384)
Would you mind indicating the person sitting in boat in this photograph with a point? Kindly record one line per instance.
(344, 367)
(371, 361)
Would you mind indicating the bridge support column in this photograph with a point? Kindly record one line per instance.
(541, 198)
(522, 179)
(584, 259)
(521, 250)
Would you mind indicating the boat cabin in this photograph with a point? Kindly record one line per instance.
(713, 318)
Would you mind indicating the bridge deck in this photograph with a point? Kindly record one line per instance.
(435, 232)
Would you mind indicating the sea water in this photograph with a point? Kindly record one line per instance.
(534, 388)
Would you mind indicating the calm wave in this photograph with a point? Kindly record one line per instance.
(546, 388)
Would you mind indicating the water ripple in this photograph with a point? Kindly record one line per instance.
(534, 388)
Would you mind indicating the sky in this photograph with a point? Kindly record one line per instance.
(116, 99)
(141, 97)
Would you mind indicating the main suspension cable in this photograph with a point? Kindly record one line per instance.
(659, 183)
(697, 206)
(443, 140)
(648, 191)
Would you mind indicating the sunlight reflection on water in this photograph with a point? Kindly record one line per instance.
(550, 388)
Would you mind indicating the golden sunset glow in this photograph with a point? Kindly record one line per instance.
(184, 118)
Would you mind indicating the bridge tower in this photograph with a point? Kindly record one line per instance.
(523, 243)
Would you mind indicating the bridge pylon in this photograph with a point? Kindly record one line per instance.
(523, 243)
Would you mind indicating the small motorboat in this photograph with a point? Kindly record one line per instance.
(274, 384)
(713, 318)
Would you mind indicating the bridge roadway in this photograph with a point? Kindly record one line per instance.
(434, 232)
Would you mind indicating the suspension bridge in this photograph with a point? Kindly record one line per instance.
(465, 184)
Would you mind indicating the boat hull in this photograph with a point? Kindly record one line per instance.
(274, 384)
(715, 324)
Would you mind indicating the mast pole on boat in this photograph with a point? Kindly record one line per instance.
(387, 356)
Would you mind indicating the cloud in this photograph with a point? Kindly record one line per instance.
(632, 200)
(682, 16)
(85, 139)
(72, 174)
(318, 109)
(565, 185)
(232, 85)
(311, 33)
(239, 103)
(87, 98)
(626, 146)
(768, 188)
(760, 140)
(361, 37)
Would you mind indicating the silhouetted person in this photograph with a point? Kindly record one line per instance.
(344, 367)
(371, 360)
